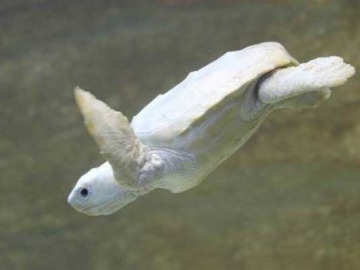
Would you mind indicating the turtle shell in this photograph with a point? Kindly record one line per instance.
(165, 120)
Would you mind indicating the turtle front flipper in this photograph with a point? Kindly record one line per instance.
(115, 137)
(305, 85)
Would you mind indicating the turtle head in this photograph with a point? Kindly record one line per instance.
(98, 193)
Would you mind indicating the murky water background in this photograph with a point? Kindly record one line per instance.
(288, 200)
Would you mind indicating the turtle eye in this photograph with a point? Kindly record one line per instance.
(84, 192)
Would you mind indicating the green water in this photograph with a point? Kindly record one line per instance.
(288, 200)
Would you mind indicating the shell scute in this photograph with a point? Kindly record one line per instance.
(171, 116)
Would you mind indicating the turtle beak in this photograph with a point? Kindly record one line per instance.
(73, 201)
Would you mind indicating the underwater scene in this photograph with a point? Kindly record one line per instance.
(288, 199)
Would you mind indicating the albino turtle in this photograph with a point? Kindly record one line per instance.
(183, 135)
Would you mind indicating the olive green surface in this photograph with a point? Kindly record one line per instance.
(289, 199)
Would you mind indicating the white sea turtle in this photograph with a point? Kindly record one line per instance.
(183, 135)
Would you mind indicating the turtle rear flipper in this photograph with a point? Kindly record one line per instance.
(305, 85)
(308, 100)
